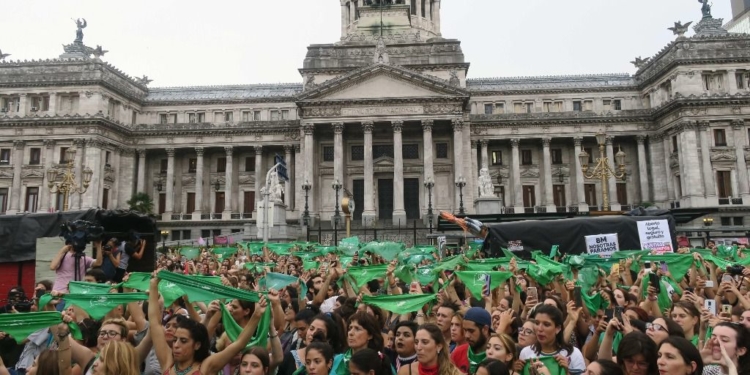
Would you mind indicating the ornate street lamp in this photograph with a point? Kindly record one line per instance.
(68, 185)
(336, 185)
(306, 215)
(602, 170)
(460, 184)
(164, 235)
(708, 221)
(429, 184)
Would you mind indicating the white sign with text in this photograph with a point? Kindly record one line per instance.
(654, 235)
(603, 245)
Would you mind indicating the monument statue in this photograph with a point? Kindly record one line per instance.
(81, 24)
(381, 52)
(706, 9)
(277, 190)
(486, 187)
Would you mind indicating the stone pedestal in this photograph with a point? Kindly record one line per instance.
(279, 230)
(488, 206)
(368, 219)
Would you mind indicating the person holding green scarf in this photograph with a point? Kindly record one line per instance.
(477, 326)
(550, 343)
(363, 332)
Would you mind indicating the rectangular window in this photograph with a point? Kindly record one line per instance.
(176, 235)
(274, 115)
(219, 202)
(529, 107)
(4, 156)
(607, 104)
(186, 234)
(107, 157)
(285, 114)
(201, 117)
(526, 157)
(441, 150)
(590, 194)
(250, 164)
(358, 153)
(164, 165)
(3, 199)
(720, 138)
(488, 108)
(63, 155)
(105, 198)
(518, 108)
(246, 116)
(162, 118)
(556, 154)
(192, 165)
(713, 81)
(32, 198)
(190, 203)
(724, 183)
(228, 116)
(590, 152)
(256, 116)
(743, 80)
(133, 118)
(382, 150)
(328, 153)
(205, 233)
(35, 156)
(410, 151)
(173, 118)
(497, 158)
(216, 232)
(675, 149)
(221, 165)
(191, 118)
(726, 221)
(622, 193)
(529, 196)
(617, 104)
(738, 221)
(499, 108)
(249, 203)
(547, 107)
(577, 107)
(558, 197)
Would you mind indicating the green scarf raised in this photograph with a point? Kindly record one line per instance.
(474, 280)
(387, 250)
(362, 275)
(233, 330)
(21, 325)
(475, 359)
(277, 281)
(193, 287)
(399, 303)
(97, 305)
(190, 252)
(82, 287)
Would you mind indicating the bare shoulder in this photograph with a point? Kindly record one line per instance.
(405, 369)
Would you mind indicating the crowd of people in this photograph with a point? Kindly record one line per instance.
(381, 309)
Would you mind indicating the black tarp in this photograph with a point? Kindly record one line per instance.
(568, 233)
(18, 233)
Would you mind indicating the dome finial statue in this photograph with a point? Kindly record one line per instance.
(80, 24)
(706, 9)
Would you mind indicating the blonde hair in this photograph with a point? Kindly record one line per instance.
(119, 358)
(445, 366)
(124, 330)
(508, 344)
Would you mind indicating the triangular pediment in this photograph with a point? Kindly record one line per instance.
(379, 81)
(383, 161)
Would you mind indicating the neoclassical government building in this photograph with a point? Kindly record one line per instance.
(384, 109)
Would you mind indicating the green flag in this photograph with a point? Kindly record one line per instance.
(387, 250)
(21, 325)
(400, 303)
(279, 248)
(193, 286)
(364, 274)
(308, 255)
(487, 264)
(82, 287)
(593, 302)
(310, 265)
(97, 305)
(224, 252)
(138, 280)
(190, 252)
(474, 280)
(259, 267)
(549, 362)
(450, 264)
(426, 275)
(277, 281)
(678, 264)
(554, 251)
(253, 247)
(233, 330)
(349, 246)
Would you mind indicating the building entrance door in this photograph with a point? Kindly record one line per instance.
(359, 199)
(385, 198)
(411, 198)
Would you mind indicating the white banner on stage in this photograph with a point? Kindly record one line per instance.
(602, 244)
(654, 235)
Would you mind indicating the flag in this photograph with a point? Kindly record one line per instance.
(190, 252)
(362, 275)
(388, 250)
(277, 281)
(399, 303)
(82, 287)
(230, 240)
(201, 241)
(192, 285)
(97, 305)
(474, 280)
(233, 329)
(218, 240)
(21, 325)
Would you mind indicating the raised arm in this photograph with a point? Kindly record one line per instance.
(139, 254)
(215, 362)
(163, 352)
(55, 264)
(99, 257)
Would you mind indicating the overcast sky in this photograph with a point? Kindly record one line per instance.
(188, 42)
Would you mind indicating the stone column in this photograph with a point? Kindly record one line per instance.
(474, 155)
(22, 107)
(399, 214)
(94, 162)
(458, 160)
(52, 111)
(75, 200)
(692, 181)
(352, 15)
(580, 191)
(125, 176)
(196, 215)
(299, 194)
(344, 24)
(229, 172)
(419, 13)
(259, 177)
(338, 151)
(47, 200)
(310, 166)
(739, 147)
(141, 181)
(516, 176)
(15, 194)
(643, 169)
(732, 84)
(614, 205)
(170, 185)
(547, 158)
(668, 167)
(436, 22)
(709, 182)
(428, 14)
(429, 173)
(369, 212)
(288, 182)
(485, 156)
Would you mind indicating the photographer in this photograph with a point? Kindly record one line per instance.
(132, 248)
(111, 259)
(64, 265)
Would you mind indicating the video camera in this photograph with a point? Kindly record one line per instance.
(18, 300)
(79, 233)
(735, 270)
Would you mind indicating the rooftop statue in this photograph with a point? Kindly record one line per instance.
(81, 24)
(639, 62)
(706, 9)
(679, 29)
(99, 51)
(3, 55)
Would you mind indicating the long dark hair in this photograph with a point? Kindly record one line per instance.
(743, 341)
(557, 317)
(199, 334)
(334, 335)
(46, 363)
(262, 354)
(495, 367)
(372, 327)
(371, 360)
(633, 344)
(609, 367)
(688, 351)
(321, 347)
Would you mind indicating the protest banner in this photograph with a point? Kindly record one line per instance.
(602, 244)
(654, 235)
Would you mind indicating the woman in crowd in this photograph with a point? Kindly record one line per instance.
(255, 361)
(65, 267)
(549, 334)
(501, 347)
(527, 334)
(363, 332)
(319, 358)
(432, 354)
(727, 350)
(457, 331)
(404, 351)
(368, 361)
(661, 328)
(603, 367)
(491, 366)
(325, 328)
(636, 354)
(189, 353)
(678, 356)
(688, 317)
(118, 358)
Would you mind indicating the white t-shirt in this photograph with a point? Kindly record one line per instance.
(328, 305)
(577, 365)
